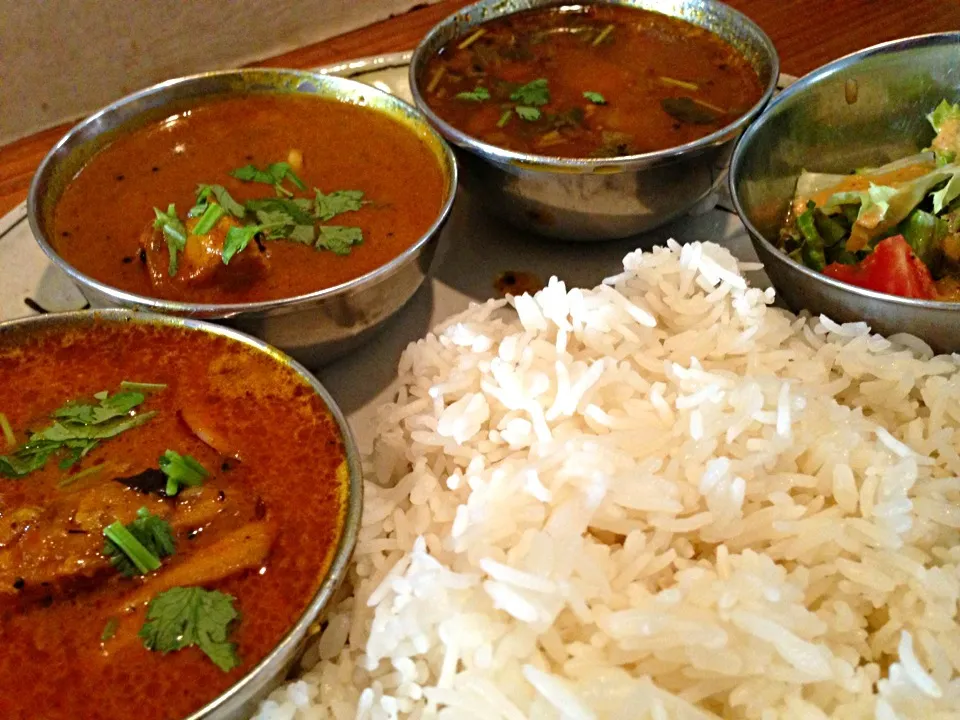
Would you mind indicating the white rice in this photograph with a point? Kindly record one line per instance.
(660, 498)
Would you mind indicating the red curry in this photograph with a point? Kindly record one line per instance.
(104, 224)
(261, 528)
(589, 80)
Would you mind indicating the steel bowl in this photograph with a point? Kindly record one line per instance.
(599, 198)
(240, 700)
(865, 109)
(313, 328)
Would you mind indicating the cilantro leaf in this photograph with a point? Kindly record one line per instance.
(237, 239)
(282, 171)
(595, 97)
(274, 174)
(109, 630)
(534, 93)
(251, 173)
(152, 534)
(338, 238)
(339, 201)
(207, 194)
(478, 94)
(295, 212)
(208, 221)
(302, 234)
(181, 470)
(192, 616)
(528, 113)
(226, 201)
(174, 232)
(78, 427)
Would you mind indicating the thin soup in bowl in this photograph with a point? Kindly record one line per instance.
(589, 80)
(597, 120)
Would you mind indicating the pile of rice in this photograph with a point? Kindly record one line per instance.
(660, 498)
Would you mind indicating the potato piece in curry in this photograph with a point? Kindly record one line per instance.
(147, 471)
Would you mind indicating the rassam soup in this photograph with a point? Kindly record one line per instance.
(169, 503)
(586, 81)
(250, 198)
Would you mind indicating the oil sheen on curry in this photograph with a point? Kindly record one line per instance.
(588, 81)
(249, 199)
(169, 503)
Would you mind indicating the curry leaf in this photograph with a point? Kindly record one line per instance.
(192, 616)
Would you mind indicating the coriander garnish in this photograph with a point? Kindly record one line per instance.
(136, 548)
(274, 174)
(337, 202)
(7, 431)
(478, 94)
(339, 239)
(174, 232)
(109, 630)
(181, 470)
(527, 113)
(535, 93)
(284, 217)
(78, 428)
(211, 216)
(192, 616)
(595, 97)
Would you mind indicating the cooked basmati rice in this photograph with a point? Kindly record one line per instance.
(660, 498)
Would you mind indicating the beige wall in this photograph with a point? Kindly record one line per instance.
(60, 59)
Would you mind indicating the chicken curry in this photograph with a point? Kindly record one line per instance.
(249, 199)
(169, 503)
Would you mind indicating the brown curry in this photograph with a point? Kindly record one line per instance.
(589, 80)
(104, 224)
(259, 530)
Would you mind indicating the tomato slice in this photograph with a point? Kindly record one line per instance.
(891, 268)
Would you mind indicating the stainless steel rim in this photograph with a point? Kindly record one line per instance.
(351, 522)
(797, 88)
(254, 309)
(584, 165)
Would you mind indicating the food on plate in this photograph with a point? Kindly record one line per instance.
(249, 198)
(589, 80)
(663, 497)
(894, 229)
(170, 501)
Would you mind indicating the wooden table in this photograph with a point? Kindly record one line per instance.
(807, 34)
